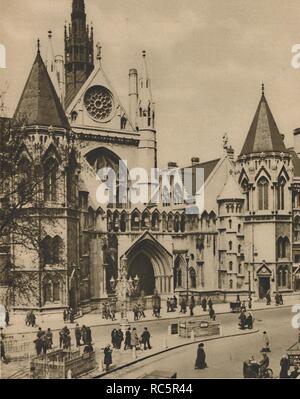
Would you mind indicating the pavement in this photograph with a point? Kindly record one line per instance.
(95, 319)
(160, 340)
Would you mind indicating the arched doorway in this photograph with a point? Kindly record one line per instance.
(141, 266)
(152, 263)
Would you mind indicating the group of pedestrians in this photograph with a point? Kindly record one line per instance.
(43, 341)
(83, 335)
(187, 302)
(246, 319)
(132, 340)
(138, 311)
(30, 319)
(69, 315)
(171, 304)
(109, 310)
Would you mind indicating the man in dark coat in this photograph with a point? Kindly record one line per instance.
(201, 356)
(77, 335)
(40, 333)
(268, 298)
(127, 344)
(38, 345)
(7, 317)
(107, 357)
(210, 303)
(84, 334)
(114, 338)
(204, 304)
(243, 319)
(120, 338)
(192, 305)
(49, 338)
(284, 367)
(145, 337)
(88, 336)
(2, 354)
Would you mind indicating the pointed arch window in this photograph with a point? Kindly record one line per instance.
(280, 193)
(50, 180)
(263, 193)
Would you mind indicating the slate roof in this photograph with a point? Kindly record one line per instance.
(263, 135)
(39, 103)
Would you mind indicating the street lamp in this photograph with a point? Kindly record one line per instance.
(187, 259)
(124, 286)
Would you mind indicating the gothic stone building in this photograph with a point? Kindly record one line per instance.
(247, 238)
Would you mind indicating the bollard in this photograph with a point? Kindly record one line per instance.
(134, 353)
(69, 374)
(169, 330)
(166, 342)
(192, 336)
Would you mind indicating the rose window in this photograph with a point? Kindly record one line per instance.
(99, 102)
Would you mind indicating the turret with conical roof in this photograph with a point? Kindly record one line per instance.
(39, 103)
(263, 135)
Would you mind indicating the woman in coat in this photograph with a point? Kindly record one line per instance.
(200, 361)
(107, 357)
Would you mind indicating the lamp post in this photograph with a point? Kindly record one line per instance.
(123, 287)
(187, 259)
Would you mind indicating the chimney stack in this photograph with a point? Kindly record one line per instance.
(172, 165)
(195, 160)
(133, 95)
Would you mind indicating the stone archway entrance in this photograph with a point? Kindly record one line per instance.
(263, 286)
(152, 263)
(264, 275)
(141, 266)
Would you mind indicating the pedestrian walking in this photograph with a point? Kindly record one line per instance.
(120, 338)
(145, 339)
(61, 337)
(210, 303)
(107, 357)
(77, 335)
(204, 304)
(266, 343)
(2, 348)
(6, 317)
(38, 346)
(49, 339)
(84, 334)
(71, 315)
(201, 357)
(65, 315)
(40, 333)
(280, 299)
(127, 344)
(114, 338)
(134, 339)
(268, 298)
(89, 339)
(32, 319)
(284, 367)
(249, 302)
(212, 314)
(192, 305)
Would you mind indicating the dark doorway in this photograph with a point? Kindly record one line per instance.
(142, 267)
(264, 286)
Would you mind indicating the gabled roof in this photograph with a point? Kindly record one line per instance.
(263, 135)
(231, 190)
(207, 167)
(39, 103)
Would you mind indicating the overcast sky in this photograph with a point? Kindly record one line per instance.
(207, 60)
